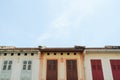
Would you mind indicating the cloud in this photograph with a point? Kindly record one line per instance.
(73, 11)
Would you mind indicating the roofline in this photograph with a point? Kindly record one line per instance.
(20, 49)
(62, 50)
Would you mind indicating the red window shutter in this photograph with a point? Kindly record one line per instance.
(97, 72)
(71, 67)
(115, 66)
(51, 70)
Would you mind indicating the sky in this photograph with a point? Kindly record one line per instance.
(59, 23)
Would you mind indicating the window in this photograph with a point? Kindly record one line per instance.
(24, 67)
(71, 67)
(29, 62)
(115, 67)
(27, 65)
(4, 67)
(25, 62)
(52, 70)
(6, 70)
(26, 70)
(7, 65)
(96, 67)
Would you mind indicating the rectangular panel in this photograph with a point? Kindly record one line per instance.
(26, 71)
(97, 73)
(115, 66)
(71, 67)
(6, 71)
(51, 70)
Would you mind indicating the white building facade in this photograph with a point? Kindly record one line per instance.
(102, 63)
(19, 64)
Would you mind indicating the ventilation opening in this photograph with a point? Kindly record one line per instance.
(12, 54)
(54, 53)
(18, 54)
(5, 54)
(48, 53)
(32, 54)
(25, 54)
(74, 53)
(68, 53)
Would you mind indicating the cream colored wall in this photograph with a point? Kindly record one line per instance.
(62, 64)
(105, 57)
(18, 63)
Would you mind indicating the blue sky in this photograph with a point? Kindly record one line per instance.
(59, 23)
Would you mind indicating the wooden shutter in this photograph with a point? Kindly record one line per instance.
(97, 73)
(51, 70)
(71, 66)
(115, 66)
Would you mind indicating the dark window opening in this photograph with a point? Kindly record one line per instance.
(29, 67)
(68, 53)
(4, 67)
(24, 67)
(29, 62)
(32, 54)
(5, 62)
(25, 54)
(12, 54)
(61, 53)
(74, 53)
(25, 62)
(18, 54)
(48, 53)
(10, 62)
(54, 53)
(9, 67)
(5, 54)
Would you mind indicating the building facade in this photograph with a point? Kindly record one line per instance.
(102, 63)
(19, 63)
(62, 64)
(74, 63)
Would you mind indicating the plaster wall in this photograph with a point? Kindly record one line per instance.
(105, 57)
(62, 64)
(17, 63)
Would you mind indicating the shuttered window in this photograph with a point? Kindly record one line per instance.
(7, 65)
(96, 67)
(26, 73)
(115, 67)
(51, 70)
(27, 65)
(71, 67)
(6, 70)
